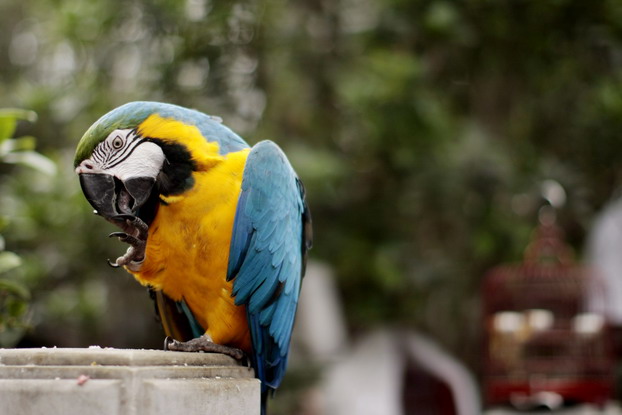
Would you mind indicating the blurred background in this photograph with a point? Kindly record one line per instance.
(429, 134)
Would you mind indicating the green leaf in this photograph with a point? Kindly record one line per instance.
(17, 144)
(7, 128)
(9, 261)
(14, 288)
(18, 114)
(32, 159)
(9, 118)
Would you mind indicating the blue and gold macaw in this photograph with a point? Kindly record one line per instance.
(218, 230)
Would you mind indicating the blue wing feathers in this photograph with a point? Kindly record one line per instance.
(264, 293)
(278, 254)
(240, 242)
(254, 265)
(243, 241)
(270, 228)
(291, 283)
(266, 314)
(265, 260)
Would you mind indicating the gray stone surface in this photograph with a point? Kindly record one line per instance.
(124, 382)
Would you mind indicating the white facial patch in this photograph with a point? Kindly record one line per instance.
(124, 155)
(145, 161)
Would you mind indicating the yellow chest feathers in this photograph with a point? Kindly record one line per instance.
(188, 244)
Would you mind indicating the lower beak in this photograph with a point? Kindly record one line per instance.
(111, 197)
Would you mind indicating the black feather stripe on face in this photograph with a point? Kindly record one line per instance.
(131, 141)
(108, 157)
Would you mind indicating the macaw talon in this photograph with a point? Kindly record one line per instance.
(202, 344)
(132, 225)
(121, 235)
(124, 237)
(133, 232)
(167, 340)
(113, 264)
(134, 256)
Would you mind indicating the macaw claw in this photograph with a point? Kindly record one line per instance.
(113, 264)
(134, 232)
(202, 344)
(120, 235)
(124, 237)
(131, 224)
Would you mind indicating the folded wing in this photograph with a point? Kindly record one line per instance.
(271, 235)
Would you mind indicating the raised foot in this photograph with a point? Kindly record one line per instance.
(135, 234)
(202, 344)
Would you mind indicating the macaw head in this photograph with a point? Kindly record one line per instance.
(143, 149)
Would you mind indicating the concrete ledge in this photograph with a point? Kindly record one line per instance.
(124, 382)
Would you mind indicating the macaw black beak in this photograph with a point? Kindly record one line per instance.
(111, 197)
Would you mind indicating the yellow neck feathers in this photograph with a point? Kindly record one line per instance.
(204, 153)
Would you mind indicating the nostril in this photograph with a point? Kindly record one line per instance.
(88, 165)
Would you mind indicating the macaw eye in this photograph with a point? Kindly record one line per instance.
(117, 143)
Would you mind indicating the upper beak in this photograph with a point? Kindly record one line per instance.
(111, 196)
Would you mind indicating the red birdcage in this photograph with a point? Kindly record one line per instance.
(543, 347)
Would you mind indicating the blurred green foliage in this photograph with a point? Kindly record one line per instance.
(14, 296)
(423, 131)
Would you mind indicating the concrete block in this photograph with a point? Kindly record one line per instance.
(45, 397)
(201, 396)
(124, 382)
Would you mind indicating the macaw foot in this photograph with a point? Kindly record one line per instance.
(135, 234)
(202, 344)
